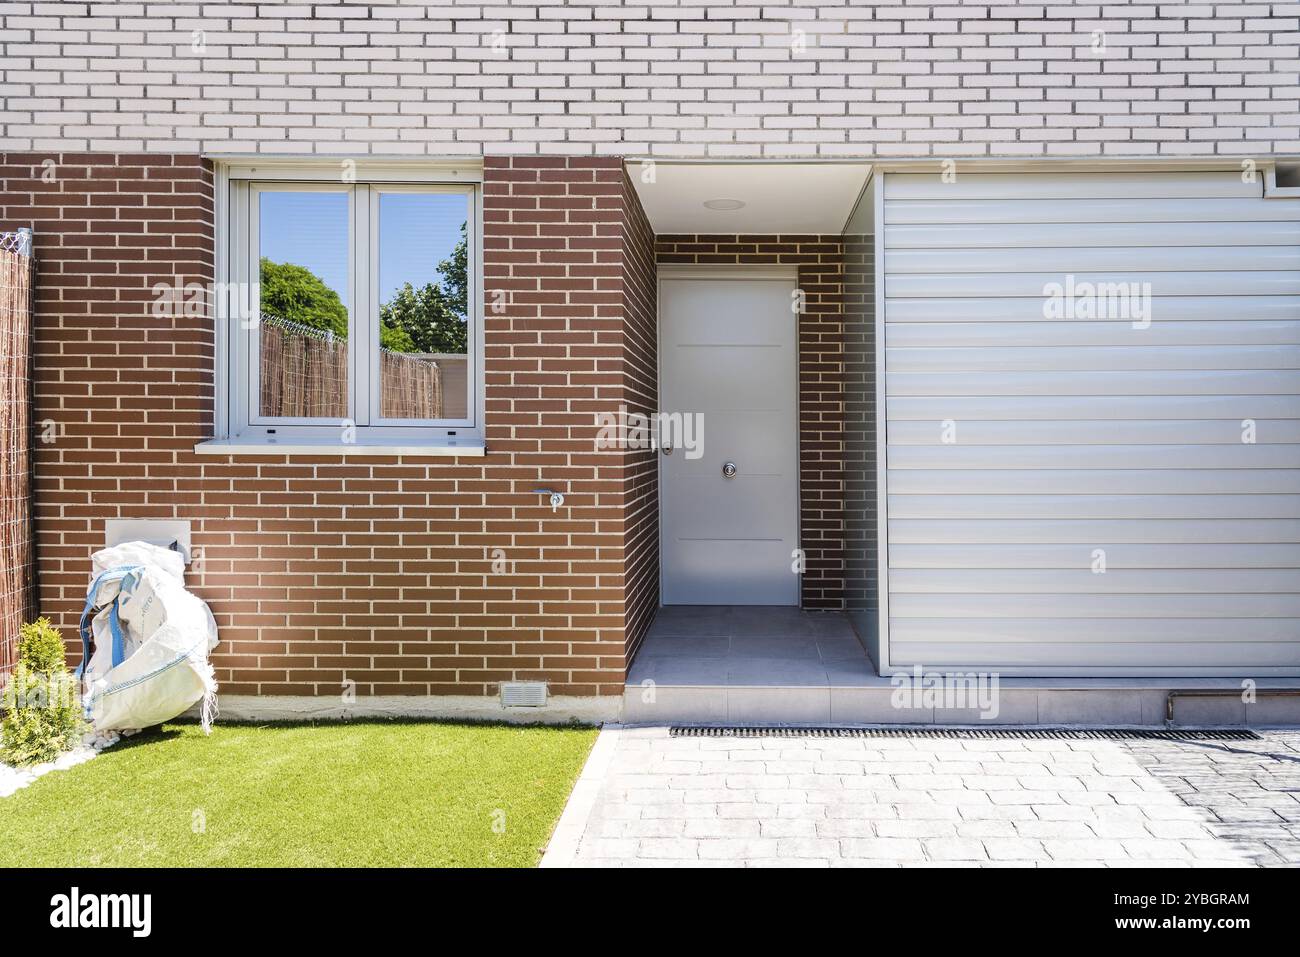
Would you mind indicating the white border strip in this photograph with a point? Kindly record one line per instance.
(559, 709)
(562, 851)
(881, 374)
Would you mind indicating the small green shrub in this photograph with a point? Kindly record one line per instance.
(43, 716)
(40, 647)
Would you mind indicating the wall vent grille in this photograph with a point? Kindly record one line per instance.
(523, 694)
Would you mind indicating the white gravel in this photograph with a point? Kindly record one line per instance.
(14, 779)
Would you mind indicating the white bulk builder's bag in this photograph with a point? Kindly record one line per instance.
(145, 641)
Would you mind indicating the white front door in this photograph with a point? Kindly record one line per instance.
(728, 353)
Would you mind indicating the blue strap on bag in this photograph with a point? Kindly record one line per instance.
(115, 626)
(118, 573)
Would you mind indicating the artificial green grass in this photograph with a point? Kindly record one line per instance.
(356, 794)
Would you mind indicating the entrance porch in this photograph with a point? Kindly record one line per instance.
(746, 663)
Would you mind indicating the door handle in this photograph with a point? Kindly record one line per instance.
(729, 470)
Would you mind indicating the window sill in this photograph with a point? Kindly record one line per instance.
(471, 449)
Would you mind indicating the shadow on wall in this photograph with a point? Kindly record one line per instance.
(861, 572)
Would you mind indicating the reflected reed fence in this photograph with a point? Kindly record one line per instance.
(304, 372)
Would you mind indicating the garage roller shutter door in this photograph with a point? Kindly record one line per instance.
(1029, 450)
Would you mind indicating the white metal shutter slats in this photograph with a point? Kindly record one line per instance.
(1072, 438)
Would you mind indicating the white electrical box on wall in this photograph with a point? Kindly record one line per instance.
(164, 532)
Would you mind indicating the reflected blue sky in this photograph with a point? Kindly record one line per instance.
(416, 232)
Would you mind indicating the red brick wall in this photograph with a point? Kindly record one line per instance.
(820, 261)
(321, 569)
(120, 395)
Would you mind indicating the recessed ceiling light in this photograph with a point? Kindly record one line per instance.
(724, 205)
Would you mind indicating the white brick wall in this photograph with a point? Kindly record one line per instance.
(745, 78)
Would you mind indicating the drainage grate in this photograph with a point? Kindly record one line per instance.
(692, 731)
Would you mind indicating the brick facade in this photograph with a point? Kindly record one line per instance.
(323, 570)
(796, 78)
(820, 261)
(386, 572)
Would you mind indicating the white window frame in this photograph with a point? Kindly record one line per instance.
(247, 394)
(238, 427)
(371, 355)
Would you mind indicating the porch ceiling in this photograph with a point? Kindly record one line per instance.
(776, 197)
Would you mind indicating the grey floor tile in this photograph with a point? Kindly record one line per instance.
(841, 649)
(689, 628)
(851, 672)
(791, 648)
(678, 669)
(701, 646)
(775, 673)
(832, 625)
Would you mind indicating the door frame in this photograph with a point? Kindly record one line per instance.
(674, 271)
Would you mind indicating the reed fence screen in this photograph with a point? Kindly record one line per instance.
(17, 554)
(304, 373)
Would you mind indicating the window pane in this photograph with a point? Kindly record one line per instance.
(303, 277)
(423, 327)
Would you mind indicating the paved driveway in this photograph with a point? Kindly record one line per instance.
(650, 799)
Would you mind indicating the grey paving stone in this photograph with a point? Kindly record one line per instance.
(675, 848)
(788, 862)
(850, 827)
(882, 848)
(983, 829)
(793, 827)
(954, 849)
(738, 849)
(720, 827)
(1014, 849)
(808, 847)
(652, 827)
(910, 828)
(915, 801)
(1058, 830)
(1133, 830)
